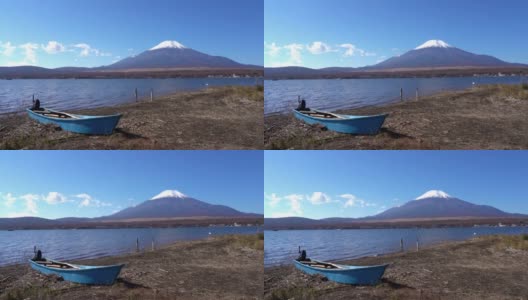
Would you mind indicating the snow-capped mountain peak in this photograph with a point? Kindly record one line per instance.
(169, 194)
(433, 44)
(168, 44)
(434, 194)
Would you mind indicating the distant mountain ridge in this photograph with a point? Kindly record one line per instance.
(171, 203)
(171, 54)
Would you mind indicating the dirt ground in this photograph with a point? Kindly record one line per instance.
(216, 118)
(487, 117)
(228, 267)
(481, 268)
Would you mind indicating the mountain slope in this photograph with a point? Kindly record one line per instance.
(438, 204)
(172, 204)
(171, 54)
(436, 53)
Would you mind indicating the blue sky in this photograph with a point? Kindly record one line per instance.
(56, 33)
(54, 184)
(321, 184)
(314, 33)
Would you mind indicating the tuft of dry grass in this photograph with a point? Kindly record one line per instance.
(253, 241)
(516, 91)
(518, 242)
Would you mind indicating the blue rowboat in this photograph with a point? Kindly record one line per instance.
(76, 123)
(342, 123)
(359, 275)
(78, 273)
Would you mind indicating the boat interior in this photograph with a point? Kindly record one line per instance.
(318, 264)
(319, 114)
(55, 264)
(53, 114)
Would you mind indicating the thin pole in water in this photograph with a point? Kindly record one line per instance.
(135, 92)
(416, 94)
(401, 244)
(137, 244)
(151, 94)
(152, 244)
(417, 245)
(401, 94)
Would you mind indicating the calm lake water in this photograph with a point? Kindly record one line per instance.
(280, 247)
(17, 246)
(333, 94)
(71, 94)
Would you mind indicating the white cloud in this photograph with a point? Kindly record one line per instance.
(53, 47)
(352, 50)
(319, 198)
(295, 53)
(9, 49)
(29, 52)
(273, 199)
(271, 49)
(9, 199)
(55, 198)
(87, 200)
(31, 203)
(87, 50)
(352, 200)
(295, 203)
(318, 48)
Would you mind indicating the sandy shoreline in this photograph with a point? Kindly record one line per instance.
(216, 118)
(487, 117)
(481, 268)
(227, 267)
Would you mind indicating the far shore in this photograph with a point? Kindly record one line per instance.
(490, 267)
(214, 118)
(484, 117)
(225, 267)
(311, 224)
(136, 223)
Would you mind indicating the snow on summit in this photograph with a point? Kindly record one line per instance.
(433, 44)
(169, 194)
(168, 44)
(434, 194)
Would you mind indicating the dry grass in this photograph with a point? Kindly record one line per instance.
(255, 241)
(519, 91)
(518, 242)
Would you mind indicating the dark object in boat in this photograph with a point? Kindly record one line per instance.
(38, 256)
(303, 257)
(302, 105)
(36, 106)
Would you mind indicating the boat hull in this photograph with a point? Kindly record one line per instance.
(98, 275)
(357, 275)
(96, 125)
(365, 125)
